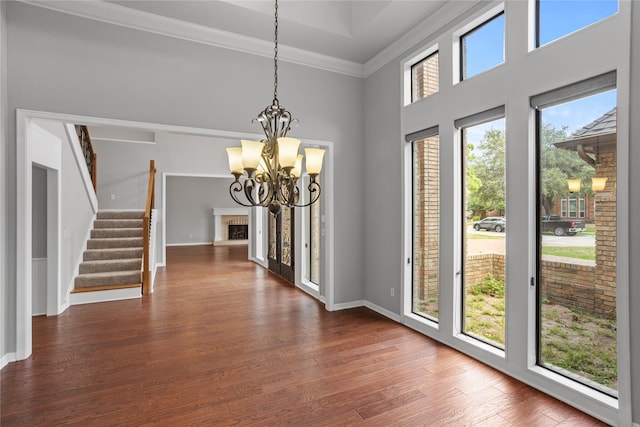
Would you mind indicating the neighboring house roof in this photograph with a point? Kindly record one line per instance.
(603, 124)
(598, 134)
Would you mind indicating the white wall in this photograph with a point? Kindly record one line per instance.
(189, 202)
(132, 75)
(77, 210)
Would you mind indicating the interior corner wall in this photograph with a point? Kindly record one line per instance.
(67, 64)
(383, 201)
(634, 214)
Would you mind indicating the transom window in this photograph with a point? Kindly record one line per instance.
(425, 79)
(482, 48)
(558, 18)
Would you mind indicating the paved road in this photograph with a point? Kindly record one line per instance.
(491, 244)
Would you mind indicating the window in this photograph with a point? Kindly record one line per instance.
(426, 226)
(557, 18)
(573, 206)
(482, 48)
(484, 229)
(577, 286)
(425, 79)
(563, 208)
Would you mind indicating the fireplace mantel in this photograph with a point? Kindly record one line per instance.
(222, 218)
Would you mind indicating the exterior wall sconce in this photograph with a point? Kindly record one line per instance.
(574, 185)
(598, 183)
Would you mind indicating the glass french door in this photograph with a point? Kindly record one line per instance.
(281, 243)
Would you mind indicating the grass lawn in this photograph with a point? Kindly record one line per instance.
(581, 252)
(580, 343)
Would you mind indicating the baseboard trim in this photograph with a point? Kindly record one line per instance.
(104, 296)
(6, 359)
(190, 244)
(348, 305)
(383, 311)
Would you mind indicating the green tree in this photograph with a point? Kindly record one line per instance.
(487, 166)
(558, 165)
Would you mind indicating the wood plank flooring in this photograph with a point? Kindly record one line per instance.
(224, 342)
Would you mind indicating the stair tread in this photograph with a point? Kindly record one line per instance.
(122, 228)
(117, 238)
(109, 274)
(112, 261)
(114, 249)
(99, 288)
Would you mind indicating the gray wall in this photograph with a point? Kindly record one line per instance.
(123, 173)
(5, 294)
(189, 203)
(132, 75)
(383, 213)
(39, 212)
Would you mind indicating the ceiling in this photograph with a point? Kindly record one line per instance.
(350, 30)
(339, 35)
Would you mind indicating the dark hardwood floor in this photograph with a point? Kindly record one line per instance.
(224, 342)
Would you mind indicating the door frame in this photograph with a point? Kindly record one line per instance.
(23, 331)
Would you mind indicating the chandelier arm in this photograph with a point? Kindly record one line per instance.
(236, 187)
(249, 185)
(313, 187)
(265, 197)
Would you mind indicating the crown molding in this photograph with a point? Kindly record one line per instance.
(123, 16)
(426, 29)
(116, 14)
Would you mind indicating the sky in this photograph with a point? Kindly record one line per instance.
(558, 18)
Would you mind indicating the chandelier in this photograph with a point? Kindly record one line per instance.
(267, 171)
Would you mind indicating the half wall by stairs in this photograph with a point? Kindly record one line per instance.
(113, 258)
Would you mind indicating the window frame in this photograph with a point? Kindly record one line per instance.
(426, 58)
(493, 88)
(461, 58)
(537, 44)
(407, 77)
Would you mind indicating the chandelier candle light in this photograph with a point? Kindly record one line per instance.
(267, 171)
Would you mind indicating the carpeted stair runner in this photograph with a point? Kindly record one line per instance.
(113, 258)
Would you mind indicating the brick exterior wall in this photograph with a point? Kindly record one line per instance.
(426, 218)
(477, 267)
(606, 230)
(570, 285)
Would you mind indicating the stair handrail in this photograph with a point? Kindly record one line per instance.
(146, 272)
(90, 156)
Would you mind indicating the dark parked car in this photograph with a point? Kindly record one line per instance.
(491, 223)
(561, 227)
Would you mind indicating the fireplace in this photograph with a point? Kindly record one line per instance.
(238, 231)
(231, 226)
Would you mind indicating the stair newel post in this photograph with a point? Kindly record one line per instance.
(146, 273)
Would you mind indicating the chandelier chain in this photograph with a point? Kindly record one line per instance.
(275, 57)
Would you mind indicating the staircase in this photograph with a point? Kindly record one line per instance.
(113, 259)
